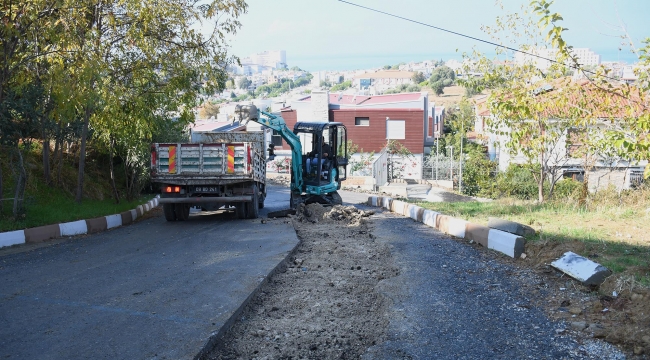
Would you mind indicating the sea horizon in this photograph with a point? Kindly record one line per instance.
(372, 61)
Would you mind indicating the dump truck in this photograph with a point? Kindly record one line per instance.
(217, 170)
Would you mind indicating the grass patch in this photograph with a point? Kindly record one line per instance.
(46, 205)
(614, 234)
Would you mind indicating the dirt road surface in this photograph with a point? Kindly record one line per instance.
(370, 284)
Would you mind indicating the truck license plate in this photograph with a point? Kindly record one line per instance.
(206, 189)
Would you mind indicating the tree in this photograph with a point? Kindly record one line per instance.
(342, 86)
(209, 110)
(418, 77)
(244, 83)
(441, 73)
(438, 88)
(530, 116)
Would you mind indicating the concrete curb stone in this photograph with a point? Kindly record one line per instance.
(581, 268)
(96, 225)
(501, 241)
(79, 227)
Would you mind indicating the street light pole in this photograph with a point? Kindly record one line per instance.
(437, 141)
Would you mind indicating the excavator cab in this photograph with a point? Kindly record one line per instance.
(324, 154)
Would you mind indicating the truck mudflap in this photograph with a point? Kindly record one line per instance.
(196, 200)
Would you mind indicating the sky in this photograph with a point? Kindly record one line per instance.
(332, 35)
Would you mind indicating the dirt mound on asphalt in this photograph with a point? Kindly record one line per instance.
(315, 213)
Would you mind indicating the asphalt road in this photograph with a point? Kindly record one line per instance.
(150, 290)
(454, 301)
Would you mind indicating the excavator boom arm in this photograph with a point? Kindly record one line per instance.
(277, 123)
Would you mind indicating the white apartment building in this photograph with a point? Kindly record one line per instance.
(273, 59)
(585, 57)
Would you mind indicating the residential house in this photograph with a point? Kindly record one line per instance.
(602, 172)
(379, 81)
(372, 120)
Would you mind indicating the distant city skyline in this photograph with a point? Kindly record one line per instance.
(331, 35)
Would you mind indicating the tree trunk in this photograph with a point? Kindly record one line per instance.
(19, 193)
(59, 162)
(82, 156)
(540, 186)
(1, 190)
(46, 161)
(112, 171)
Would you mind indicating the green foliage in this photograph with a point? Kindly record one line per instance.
(402, 88)
(342, 86)
(325, 83)
(244, 83)
(437, 87)
(418, 77)
(302, 81)
(568, 189)
(478, 174)
(442, 73)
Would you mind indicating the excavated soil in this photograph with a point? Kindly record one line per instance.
(323, 304)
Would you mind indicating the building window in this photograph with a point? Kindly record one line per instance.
(361, 121)
(276, 138)
(395, 129)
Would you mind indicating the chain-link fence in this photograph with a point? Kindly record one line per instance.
(440, 168)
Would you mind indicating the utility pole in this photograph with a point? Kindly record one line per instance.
(451, 164)
(460, 176)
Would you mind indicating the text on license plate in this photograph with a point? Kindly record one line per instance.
(206, 189)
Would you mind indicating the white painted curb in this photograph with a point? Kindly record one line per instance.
(73, 228)
(457, 227)
(399, 207)
(113, 221)
(413, 211)
(504, 242)
(12, 238)
(134, 214)
(429, 218)
(385, 203)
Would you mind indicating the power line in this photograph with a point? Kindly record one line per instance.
(470, 37)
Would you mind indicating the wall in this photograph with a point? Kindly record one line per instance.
(373, 137)
(290, 118)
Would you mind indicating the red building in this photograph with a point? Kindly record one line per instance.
(372, 120)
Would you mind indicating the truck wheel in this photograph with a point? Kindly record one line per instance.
(182, 211)
(252, 208)
(240, 210)
(170, 214)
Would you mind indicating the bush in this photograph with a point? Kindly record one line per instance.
(567, 189)
(478, 174)
(516, 182)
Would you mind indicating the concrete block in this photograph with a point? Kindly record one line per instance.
(140, 211)
(429, 218)
(456, 227)
(386, 202)
(510, 226)
(134, 214)
(442, 223)
(398, 206)
(113, 221)
(73, 228)
(373, 201)
(12, 238)
(146, 207)
(581, 268)
(42, 233)
(96, 224)
(506, 243)
(478, 233)
(415, 212)
(127, 217)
